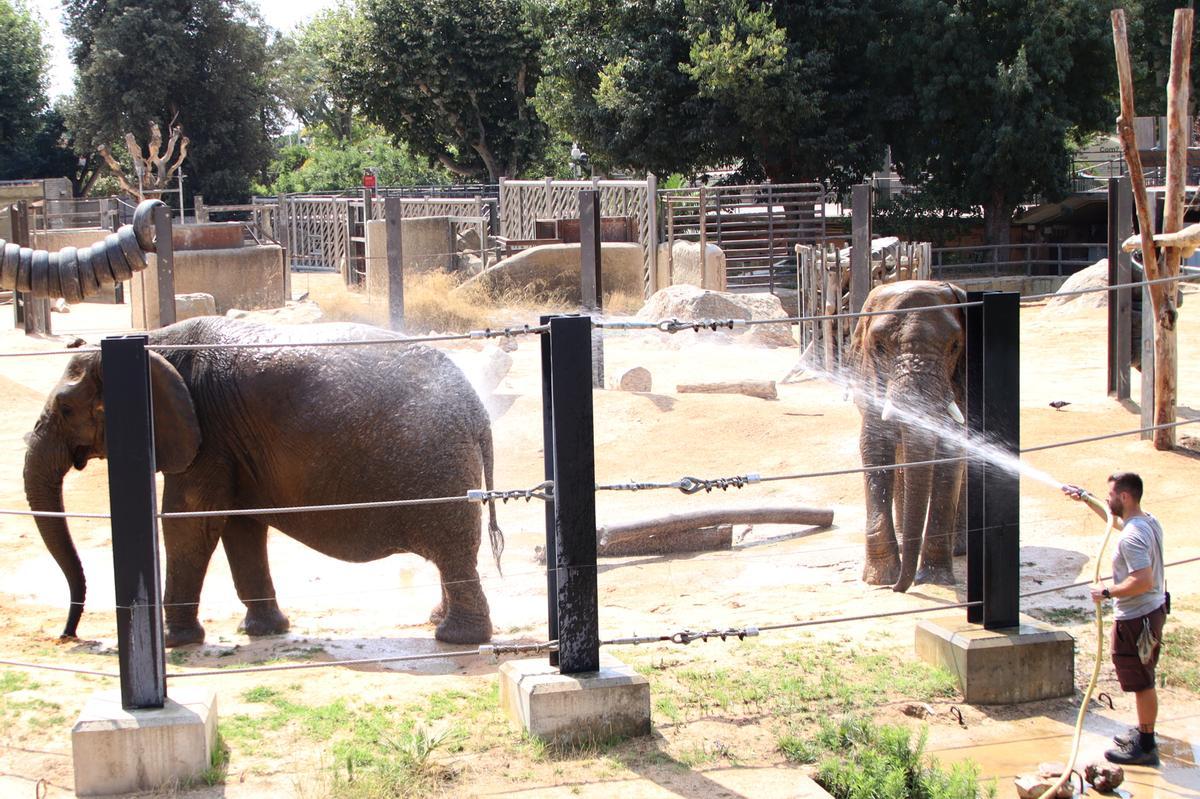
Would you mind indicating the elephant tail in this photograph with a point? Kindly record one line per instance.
(495, 534)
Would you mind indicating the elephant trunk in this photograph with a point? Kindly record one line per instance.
(46, 464)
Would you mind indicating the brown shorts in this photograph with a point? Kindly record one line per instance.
(1132, 673)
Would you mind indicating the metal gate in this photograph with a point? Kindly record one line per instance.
(757, 226)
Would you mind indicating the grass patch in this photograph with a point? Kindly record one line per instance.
(15, 681)
(863, 761)
(1181, 651)
(1062, 616)
(806, 682)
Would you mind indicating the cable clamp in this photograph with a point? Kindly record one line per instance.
(687, 636)
(694, 485)
(543, 491)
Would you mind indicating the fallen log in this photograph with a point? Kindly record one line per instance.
(763, 389)
(1186, 240)
(683, 523)
(698, 539)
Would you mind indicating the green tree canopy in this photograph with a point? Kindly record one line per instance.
(313, 75)
(204, 63)
(993, 96)
(784, 89)
(23, 66)
(452, 81)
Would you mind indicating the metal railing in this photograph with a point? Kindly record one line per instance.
(1027, 260)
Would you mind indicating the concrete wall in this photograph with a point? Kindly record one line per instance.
(1043, 284)
(681, 264)
(555, 268)
(250, 278)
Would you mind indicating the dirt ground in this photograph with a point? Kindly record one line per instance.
(772, 575)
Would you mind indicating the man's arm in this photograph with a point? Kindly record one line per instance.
(1094, 502)
(1137, 583)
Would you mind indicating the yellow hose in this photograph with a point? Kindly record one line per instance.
(1087, 695)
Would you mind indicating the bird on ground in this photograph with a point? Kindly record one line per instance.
(1058, 405)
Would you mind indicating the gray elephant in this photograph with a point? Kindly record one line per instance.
(910, 367)
(281, 427)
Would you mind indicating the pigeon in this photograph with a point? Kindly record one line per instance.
(1058, 405)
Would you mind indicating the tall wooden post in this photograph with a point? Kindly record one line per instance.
(129, 427)
(591, 287)
(164, 258)
(393, 231)
(860, 245)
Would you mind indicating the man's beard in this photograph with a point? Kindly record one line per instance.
(1117, 507)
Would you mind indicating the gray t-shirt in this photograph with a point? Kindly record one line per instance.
(1140, 546)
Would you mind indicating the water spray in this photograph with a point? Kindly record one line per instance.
(1102, 507)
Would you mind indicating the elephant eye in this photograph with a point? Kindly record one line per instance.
(66, 410)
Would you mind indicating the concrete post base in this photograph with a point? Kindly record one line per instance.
(575, 708)
(1000, 667)
(123, 751)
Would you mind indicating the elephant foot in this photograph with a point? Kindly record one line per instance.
(464, 628)
(267, 620)
(184, 634)
(935, 575)
(883, 572)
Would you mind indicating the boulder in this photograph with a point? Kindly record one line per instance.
(552, 270)
(686, 302)
(636, 379)
(300, 312)
(188, 306)
(1093, 277)
(680, 264)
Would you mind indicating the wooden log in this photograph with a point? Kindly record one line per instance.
(763, 389)
(1186, 240)
(677, 523)
(701, 539)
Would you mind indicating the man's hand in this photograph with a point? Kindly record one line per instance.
(1098, 593)
(1074, 492)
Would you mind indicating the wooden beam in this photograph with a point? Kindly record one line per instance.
(1185, 241)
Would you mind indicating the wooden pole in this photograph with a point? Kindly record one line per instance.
(1162, 294)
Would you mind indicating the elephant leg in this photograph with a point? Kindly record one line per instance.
(245, 542)
(882, 565)
(466, 618)
(189, 544)
(438, 614)
(936, 562)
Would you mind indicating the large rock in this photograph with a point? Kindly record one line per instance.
(686, 302)
(1093, 277)
(301, 312)
(553, 269)
(188, 306)
(680, 264)
(636, 379)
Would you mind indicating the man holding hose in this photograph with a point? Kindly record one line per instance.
(1139, 609)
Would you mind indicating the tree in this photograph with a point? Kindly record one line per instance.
(205, 62)
(992, 96)
(312, 80)
(22, 86)
(784, 89)
(452, 81)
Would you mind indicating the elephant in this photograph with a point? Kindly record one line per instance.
(276, 427)
(908, 366)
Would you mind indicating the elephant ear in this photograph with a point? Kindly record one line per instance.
(176, 428)
(959, 378)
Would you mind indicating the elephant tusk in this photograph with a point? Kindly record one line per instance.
(889, 411)
(955, 413)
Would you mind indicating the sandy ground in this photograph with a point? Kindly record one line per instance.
(772, 575)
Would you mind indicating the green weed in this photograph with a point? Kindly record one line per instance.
(1180, 651)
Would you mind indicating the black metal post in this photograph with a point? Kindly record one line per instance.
(129, 430)
(164, 258)
(1120, 226)
(591, 289)
(975, 475)
(1002, 487)
(574, 494)
(395, 262)
(548, 474)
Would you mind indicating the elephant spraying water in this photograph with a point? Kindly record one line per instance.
(910, 381)
(284, 427)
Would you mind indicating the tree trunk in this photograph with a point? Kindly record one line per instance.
(997, 221)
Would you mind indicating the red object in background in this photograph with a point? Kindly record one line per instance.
(368, 180)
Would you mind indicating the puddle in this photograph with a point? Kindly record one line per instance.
(1028, 742)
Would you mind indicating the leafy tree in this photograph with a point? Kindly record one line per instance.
(23, 65)
(679, 85)
(204, 63)
(312, 80)
(327, 163)
(994, 94)
(452, 80)
(1149, 24)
